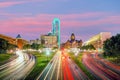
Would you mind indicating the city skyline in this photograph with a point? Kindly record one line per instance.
(82, 17)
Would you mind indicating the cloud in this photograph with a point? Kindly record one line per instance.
(8, 3)
(115, 28)
(73, 16)
(12, 3)
(42, 23)
(42, 20)
(67, 20)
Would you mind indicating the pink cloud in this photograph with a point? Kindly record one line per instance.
(43, 22)
(25, 30)
(12, 3)
(104, 20)
(7, 4)
(72, 16)
(70, 20)
(111, 19)
(115, 28)
(61, 16)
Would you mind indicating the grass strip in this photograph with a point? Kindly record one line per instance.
(78, 61)
(41, 62)
(113, 59)
(5, 57)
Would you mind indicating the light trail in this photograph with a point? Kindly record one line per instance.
(97, 68)
(18, 68)
(47, 73)
(61, 68)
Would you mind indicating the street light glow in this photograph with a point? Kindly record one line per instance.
(20, 55)
(47, 51)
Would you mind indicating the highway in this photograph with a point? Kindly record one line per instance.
(61, 67)
(52, 70)
(70, 70)
(108, 64)
(101, 69)
(18, 68)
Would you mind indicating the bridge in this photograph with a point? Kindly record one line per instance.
(14, 41)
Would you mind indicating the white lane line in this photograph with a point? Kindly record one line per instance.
(26, 69)
(59, 66)
(20, 73)
(11, 69)
(54, 67)
(45, 67)
(49, 69)
(8, 64)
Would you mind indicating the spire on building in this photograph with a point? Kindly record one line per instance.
(18, 36)
(72, 37)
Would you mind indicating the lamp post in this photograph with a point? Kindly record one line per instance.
(47, 53)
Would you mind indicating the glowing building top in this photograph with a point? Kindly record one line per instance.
(56, 29)
(72, 37)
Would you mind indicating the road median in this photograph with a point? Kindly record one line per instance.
(78, 60)
(41, 62)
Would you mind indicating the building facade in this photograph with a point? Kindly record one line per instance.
(37, 41)
(98, 40)
(49, 41)
(73, 43)
(20, 42)
(52, 39)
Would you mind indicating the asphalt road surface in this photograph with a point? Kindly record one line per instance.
(100, 68)
(61, 67)
(70, 70)
(18, 68)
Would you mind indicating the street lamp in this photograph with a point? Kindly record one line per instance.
(47, 53)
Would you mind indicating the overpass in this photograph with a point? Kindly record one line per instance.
(14, 41)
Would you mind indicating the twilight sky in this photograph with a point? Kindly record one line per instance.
(85, 18)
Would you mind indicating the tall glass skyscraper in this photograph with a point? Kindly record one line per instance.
(56, 29)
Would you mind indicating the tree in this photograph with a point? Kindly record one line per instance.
(35, 46)
(3, 45)
(11, 46)
(111, 46)
(90, 46)
(27, 46)
(41, 46)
